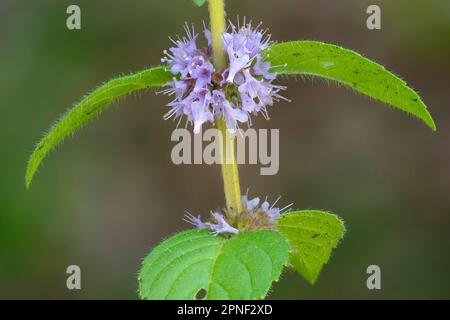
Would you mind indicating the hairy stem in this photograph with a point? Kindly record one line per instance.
(230, 172)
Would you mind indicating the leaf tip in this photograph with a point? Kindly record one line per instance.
(28, 178)
(432, 125)
(312, 281)
(30, 170)
(199, 3)
(428, 120)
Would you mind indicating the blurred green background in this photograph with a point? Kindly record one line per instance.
(112, 193)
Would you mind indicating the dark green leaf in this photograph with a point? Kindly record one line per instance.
(312, 235)
(348, 68)
(91, 105)
(242, 267)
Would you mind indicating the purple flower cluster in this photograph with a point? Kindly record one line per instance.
(203, 94)
(220, 225)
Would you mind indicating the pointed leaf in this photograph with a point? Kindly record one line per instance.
(348, 68)
(91, 105)
(241, 267)
(312, 235)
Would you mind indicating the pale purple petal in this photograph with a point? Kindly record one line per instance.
(262, 67)
(196, 221)
(250, 204)
(222, 226)
(237, 64)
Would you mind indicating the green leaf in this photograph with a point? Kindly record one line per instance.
(312, 235)
(241, 267)
(91, 105)
(348, 68)
(199, 2)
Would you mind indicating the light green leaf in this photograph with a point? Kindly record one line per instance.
(199, 2)
(91, 105)
(312, 235)
(242, 267)
(348, 68)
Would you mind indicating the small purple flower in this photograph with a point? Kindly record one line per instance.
(256, 89)
(249, 205)
(204, 94)
(262, 67)
(196, 107)
(226, 109)
(177, 88)
(270, 210)
(196, 221)
(273, 213)
(222, 226)
(202, 73)
(181, 57)
(237, 64)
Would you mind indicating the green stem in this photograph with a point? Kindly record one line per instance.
(217, 18)
(230, 172)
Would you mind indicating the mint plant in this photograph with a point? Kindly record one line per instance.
(239, 251)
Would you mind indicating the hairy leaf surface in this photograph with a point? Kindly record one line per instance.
(242, 267)
(348, 68)
(91, 105)
(312, 235)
